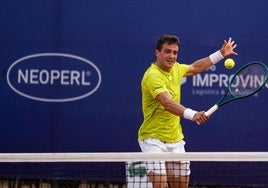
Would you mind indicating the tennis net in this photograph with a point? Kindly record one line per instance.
(129, 170)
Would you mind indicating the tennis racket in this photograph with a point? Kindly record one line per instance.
(247, 81)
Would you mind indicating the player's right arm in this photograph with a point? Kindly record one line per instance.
(177, 109)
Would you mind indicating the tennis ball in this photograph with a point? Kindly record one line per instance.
(229, 63)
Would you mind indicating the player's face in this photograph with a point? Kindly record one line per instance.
(167, 56)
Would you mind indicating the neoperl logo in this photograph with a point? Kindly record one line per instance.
(53, 77)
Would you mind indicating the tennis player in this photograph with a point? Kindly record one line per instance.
(161, 130)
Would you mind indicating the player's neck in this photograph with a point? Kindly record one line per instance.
(164, 68)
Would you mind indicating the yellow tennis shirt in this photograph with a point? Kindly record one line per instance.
(159, 123)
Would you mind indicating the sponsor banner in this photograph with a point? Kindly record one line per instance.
(53, 77)
(215, 82)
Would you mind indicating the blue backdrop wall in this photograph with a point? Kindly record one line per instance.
(71, 71)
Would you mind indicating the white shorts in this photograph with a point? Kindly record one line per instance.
(152, 145)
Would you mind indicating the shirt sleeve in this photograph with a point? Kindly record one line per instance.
(156, 86)
(182, 69)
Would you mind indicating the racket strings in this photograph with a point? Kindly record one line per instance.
(248, 80)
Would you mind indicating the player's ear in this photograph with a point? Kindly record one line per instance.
(157, 52)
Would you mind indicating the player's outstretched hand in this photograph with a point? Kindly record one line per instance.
(200, 118)
(228, 48)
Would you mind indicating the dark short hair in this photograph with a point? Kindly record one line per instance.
(170, 39)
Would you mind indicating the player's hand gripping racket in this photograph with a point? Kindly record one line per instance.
(247, 81)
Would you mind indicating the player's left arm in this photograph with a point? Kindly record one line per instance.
(203, 64)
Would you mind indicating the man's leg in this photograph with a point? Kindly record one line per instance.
(156, 170)
(178, 174)
(178, 182)
(158, 180)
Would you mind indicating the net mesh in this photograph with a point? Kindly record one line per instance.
(111, 170)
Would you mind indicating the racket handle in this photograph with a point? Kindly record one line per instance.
(212, 110)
